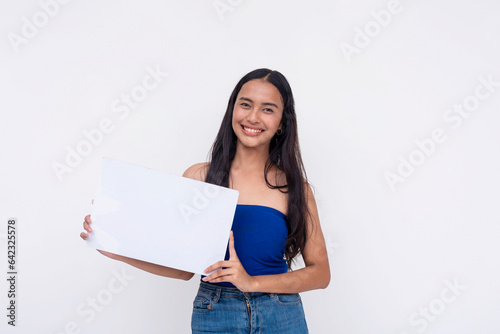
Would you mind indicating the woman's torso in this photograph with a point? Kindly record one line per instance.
(259, 224)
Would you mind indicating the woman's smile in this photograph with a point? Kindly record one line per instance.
(251, 131)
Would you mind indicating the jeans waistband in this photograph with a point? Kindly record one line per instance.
(225, 291)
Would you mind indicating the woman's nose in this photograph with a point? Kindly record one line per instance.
(253, 115)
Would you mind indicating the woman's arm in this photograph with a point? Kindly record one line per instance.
(151, 267)
(315, 275)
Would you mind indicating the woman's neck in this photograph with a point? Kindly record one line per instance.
(250, 159)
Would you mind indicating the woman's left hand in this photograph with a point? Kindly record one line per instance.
(233, 271)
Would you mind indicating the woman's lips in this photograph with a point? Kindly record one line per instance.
(251, 131)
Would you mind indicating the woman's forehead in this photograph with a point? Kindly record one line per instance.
(259, 90)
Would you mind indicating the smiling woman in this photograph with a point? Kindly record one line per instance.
(256, 152)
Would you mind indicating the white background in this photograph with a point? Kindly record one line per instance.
(391, 252)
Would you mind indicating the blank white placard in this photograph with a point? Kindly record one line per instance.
(161, 218)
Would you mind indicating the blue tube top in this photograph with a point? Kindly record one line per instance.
(260, 235)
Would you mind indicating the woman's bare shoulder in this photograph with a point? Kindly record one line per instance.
(197, 171)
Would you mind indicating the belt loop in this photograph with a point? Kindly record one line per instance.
(217, 294)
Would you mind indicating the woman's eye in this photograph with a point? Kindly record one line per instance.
(245, 105)
(268, 110)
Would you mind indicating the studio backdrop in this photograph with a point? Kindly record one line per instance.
(398, 109)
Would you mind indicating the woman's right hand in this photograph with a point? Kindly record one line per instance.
(86, 225)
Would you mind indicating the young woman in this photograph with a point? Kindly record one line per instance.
(257, 153)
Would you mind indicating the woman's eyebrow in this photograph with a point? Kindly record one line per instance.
(263, 103)
(270, 104)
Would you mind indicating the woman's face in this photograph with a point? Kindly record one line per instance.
(257, 113)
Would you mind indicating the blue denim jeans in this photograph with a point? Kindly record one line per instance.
(227, 310)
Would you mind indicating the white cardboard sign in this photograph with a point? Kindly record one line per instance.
(161, 218)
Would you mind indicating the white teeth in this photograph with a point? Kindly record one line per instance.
(251, 130)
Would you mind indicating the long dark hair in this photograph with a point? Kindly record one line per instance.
(284, 153)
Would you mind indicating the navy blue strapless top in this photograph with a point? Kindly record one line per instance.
(260, 235)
